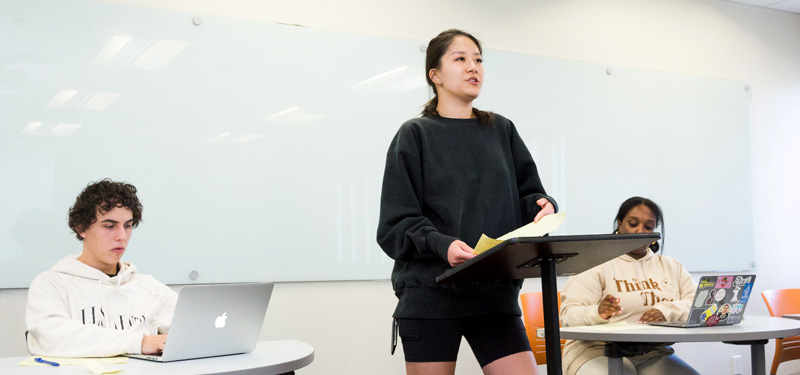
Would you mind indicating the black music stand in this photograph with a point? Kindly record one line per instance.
(528, 257)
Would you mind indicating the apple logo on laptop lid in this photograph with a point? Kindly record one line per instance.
(220, 322)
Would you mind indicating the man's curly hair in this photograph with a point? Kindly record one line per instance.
(101, 197)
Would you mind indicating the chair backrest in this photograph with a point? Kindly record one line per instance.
(782, 301)
(533, 316)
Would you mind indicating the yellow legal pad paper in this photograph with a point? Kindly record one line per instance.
(98, 369)
(93, 364)
(546, 225)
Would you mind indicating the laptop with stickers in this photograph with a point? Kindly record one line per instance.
(718, 301)
(215, 320)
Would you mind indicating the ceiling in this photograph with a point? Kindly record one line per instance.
(792, 6)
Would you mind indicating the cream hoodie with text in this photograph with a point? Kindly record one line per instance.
(75, 310)
(653, 281)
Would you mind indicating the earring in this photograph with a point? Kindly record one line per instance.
(616, 231)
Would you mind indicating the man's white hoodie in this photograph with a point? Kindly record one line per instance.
(75, 310)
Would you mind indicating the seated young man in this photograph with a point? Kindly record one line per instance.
(93, 304)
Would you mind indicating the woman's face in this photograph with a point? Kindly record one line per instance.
(460, 74)
(640, 219)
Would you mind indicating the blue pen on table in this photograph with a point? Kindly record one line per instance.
(46, 362)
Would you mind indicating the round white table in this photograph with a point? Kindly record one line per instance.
(269, 357)
(792, 316)
(755, 331)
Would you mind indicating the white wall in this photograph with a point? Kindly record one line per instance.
(348, 322)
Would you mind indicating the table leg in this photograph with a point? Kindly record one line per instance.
(757, 359)
(614, 365)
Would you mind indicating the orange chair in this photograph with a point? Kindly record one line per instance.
(781, 302)
(532, 315)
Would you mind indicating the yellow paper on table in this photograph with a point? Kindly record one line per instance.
(98, 369)
(93, 364)
(546, 225)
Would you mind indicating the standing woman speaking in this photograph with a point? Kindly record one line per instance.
(452, 174)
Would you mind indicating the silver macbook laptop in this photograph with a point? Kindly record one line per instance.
(215, 320)
(718, 301)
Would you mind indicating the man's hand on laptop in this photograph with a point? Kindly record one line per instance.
(652, 315)
(153, 344)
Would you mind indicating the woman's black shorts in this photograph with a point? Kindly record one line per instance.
(491, 337)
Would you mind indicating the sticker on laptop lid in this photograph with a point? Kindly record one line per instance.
(720, 295)
(724, 311)
(724, 282)
(708, 313)
(712, 321)
(711, 297)
(706, 282)
(700, 299)
(740, 281)
(746, 293)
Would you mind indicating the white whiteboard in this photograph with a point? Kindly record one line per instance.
(258, 148)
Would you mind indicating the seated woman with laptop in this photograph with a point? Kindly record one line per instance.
(637, 287)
